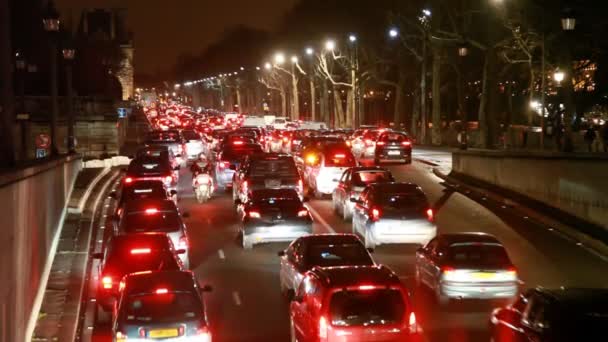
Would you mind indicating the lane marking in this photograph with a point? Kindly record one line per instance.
(321, 220)
(221, 254)
(236, 298)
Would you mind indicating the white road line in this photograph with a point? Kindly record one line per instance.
(321, 220)
(221, 254)
(236, 298)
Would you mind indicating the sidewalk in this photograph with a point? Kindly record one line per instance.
(59, 312)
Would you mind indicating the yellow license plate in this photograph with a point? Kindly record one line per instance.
(162, 333)
(483, 275)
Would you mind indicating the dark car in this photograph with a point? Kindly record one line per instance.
(154, 216)
(323, 250)
(266, 171)
(274, 215)
(229, 159)
(151, 168)
(553, 315)
(128, 254)
(352, 183)
(393, 146)
(159, 151)
(165, 305)
(142, 190)
(171, 138)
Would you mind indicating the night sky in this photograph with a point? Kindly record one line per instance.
(164, 29)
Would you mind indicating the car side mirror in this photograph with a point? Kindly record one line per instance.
(186, 215)
(97, 255)
(206, 288)
(281, 253)
(180, 251)
(113, 195)
(173, 192)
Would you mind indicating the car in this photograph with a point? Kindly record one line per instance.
(466, 265)
(352, 303)
(159, 151)
(154, 216)
(151, 168)
(142, 190)
(229, 159)
(161, 305)
(323, 170)
(170, 138)
(323, 250)
(352, 183)
(393, 146)
(266, 171)
(193, 145)
(273, 215)
(393, 213)
(124, 254)
(364, 145)
(556, 315)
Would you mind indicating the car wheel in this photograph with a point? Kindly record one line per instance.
(247, 243)
(367, 239)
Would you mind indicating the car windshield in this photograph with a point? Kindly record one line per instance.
(146, 166)
(326, 255)
(162, 308)
(164, 221)
(367, 308)
(340, 159)
(190, 135)
(476, 254)
(274, 168)
(406, 202)
(363, 178)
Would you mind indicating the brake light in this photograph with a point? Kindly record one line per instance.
(430, 215)
(106, 282)
(322, 327)
(413, 323)
(303, 213)
(340, 155)
(151, 211)
(237, 142)
(285, 139)
(447, 270)
(254, 214)
(128, 180)
(223, 164)
(366, 287)
(406, 143)
(181, 330)
(380, 143)
(311, 159)
(183, 243)
(169, 179)
(162, 291)
(375, 214)
(141, 251)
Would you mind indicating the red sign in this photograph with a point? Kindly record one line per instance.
(43, 141)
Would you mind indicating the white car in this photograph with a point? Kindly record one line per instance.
(324, 169)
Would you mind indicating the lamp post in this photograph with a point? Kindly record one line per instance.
(354, 70)
(51, 22)
(311, 80)
(69, 53)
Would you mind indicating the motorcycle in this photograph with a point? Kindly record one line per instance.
(202, 182)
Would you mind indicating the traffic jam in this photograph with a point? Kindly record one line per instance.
(332, 287)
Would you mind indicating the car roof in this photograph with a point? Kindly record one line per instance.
(329, 239)
(395, 186)
(154, 240)
(161, 205)
(149, 281)
(143, 184)
(368, 168)
(578, 296)
(468, 237)
(345, 276)
(271, 156)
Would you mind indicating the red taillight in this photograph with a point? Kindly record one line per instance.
(237, 142)
(183, 243)
(285, 139)
(128, 180)
(181, 330)
(447, 270)
(430, 215)
(406, 143)
(303, 212)
(375, 214)
(169, 179)
(223, 164)
(340, 155)
(412, 323)
(322, 327)
(151, 211)
(366, 287)
(141, 251)
(254, 214)
(106, 282)
(162, 291)
(380, 143)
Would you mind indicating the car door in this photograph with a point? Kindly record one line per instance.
(422, 261)
(358, 214)
(533, 321)
(297, 308)
(340, 195)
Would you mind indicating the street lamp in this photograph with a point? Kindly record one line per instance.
(309, 51)
(463, 51)
(294, 59)
(69, 53)
(50, 21)
(330, 45)
(279, 58)
(568, 20)
(393, 32)
(352, 38)
(267, 66)
(559, 76)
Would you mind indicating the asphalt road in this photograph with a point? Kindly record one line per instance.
(246, 305)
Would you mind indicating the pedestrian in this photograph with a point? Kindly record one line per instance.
(589, 138)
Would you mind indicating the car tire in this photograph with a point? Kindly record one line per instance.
(367, 240)
(247, 243)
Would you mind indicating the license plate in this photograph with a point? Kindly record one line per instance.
(394, 153)
(163, 333)
(484, 275)
(272, 183)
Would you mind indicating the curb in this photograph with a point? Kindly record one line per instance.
(87, 193)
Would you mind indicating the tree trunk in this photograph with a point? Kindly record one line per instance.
(324, 107)
(415, 113)
(483, 104)
(239, 103)
(295, 104)
(283, 102)
(423, 94)
(529, 110)
(398, 109)
(339, 110)
(436, 129)
(350, 108)
(313, 100)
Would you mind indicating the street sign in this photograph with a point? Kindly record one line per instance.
(23, 116)
(41, 152)
(122, 113)
(43, 141)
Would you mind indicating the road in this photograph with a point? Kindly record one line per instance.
(246, 305)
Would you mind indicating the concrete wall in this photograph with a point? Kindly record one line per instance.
(576, 184)
(32, 206)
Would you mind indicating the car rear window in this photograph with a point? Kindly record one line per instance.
(149, 192)
(369, 307)
(363, 178)
(327, 255)
(158, 222)
(125, 262)
(478, 254)
(274, 168)
(240, 153)
(149, 166)
(393, 137)
(340, 159)
(162, 308)
(272, 194)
